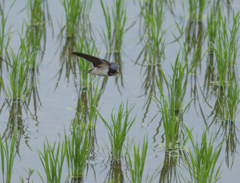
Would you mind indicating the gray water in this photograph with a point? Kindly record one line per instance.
(53, 111)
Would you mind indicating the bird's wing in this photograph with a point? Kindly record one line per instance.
(97, 62)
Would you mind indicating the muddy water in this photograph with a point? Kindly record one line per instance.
(51, 108)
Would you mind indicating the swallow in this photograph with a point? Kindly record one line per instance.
(101, 66)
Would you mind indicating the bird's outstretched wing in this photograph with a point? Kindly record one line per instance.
(97, 62)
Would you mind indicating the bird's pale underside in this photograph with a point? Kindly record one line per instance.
(101, 67)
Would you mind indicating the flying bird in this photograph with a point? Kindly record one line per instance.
(101, 67)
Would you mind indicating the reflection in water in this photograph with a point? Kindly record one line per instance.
(115, 23)
(115, 173)
(195, 37)
(152, 36)
(16, 120)
(169, 171)
(68, 62)
(33, 96)
(76, 16)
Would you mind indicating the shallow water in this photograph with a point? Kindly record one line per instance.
(48, 115)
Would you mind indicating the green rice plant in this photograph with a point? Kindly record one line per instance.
(172, 108)
(171, 123)
(195, 9)
(154, 39)
(93, 97)
(33, 39)
(177, 85)
(3, 33)
(77, 148)
(229, 107)
(213, 24)
(7, 155)
(115, 24)
(52, 159)
(137, 167)
(226, 50)
(203, 159)
(35, 30)
(38, 13)
(88, 103)
(75, 15)
(29, 172)
(18, 73)
(118, 129)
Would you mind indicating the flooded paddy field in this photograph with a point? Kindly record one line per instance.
(170, 115)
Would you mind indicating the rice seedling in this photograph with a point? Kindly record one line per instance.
(137, 167)
(52, 159)
(172, 108)
(226, 50)
(76, 12)
(30, 171)
(35, 30)
(154, 39)
(38, 13)
(4, 34)
(230, 102)
(118, 129)
(195, 9)
(7, 152)
(19, 65)
(88, 103)
(115, 24)
(202, 160)
(213, 22)
(171, 124)
(177, 85)
(77, 149)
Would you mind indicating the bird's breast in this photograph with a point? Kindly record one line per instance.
(99, 71)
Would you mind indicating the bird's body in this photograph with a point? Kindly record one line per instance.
(101, 67)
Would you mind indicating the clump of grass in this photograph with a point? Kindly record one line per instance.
(30, 171)
(177, 85)
(38, 16)
(230, 102)
(18, 74)
(213, 23)
(3, 33)
(195, 9)
(202, 159)
(75, 13)
(7, 155)
(52, 159)
(137, 167)
(171, 123)
(77, 148)
(115, 23)
(172, 107)
(118, 129)
(88, 99)
(154, 39)
(226, 50)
